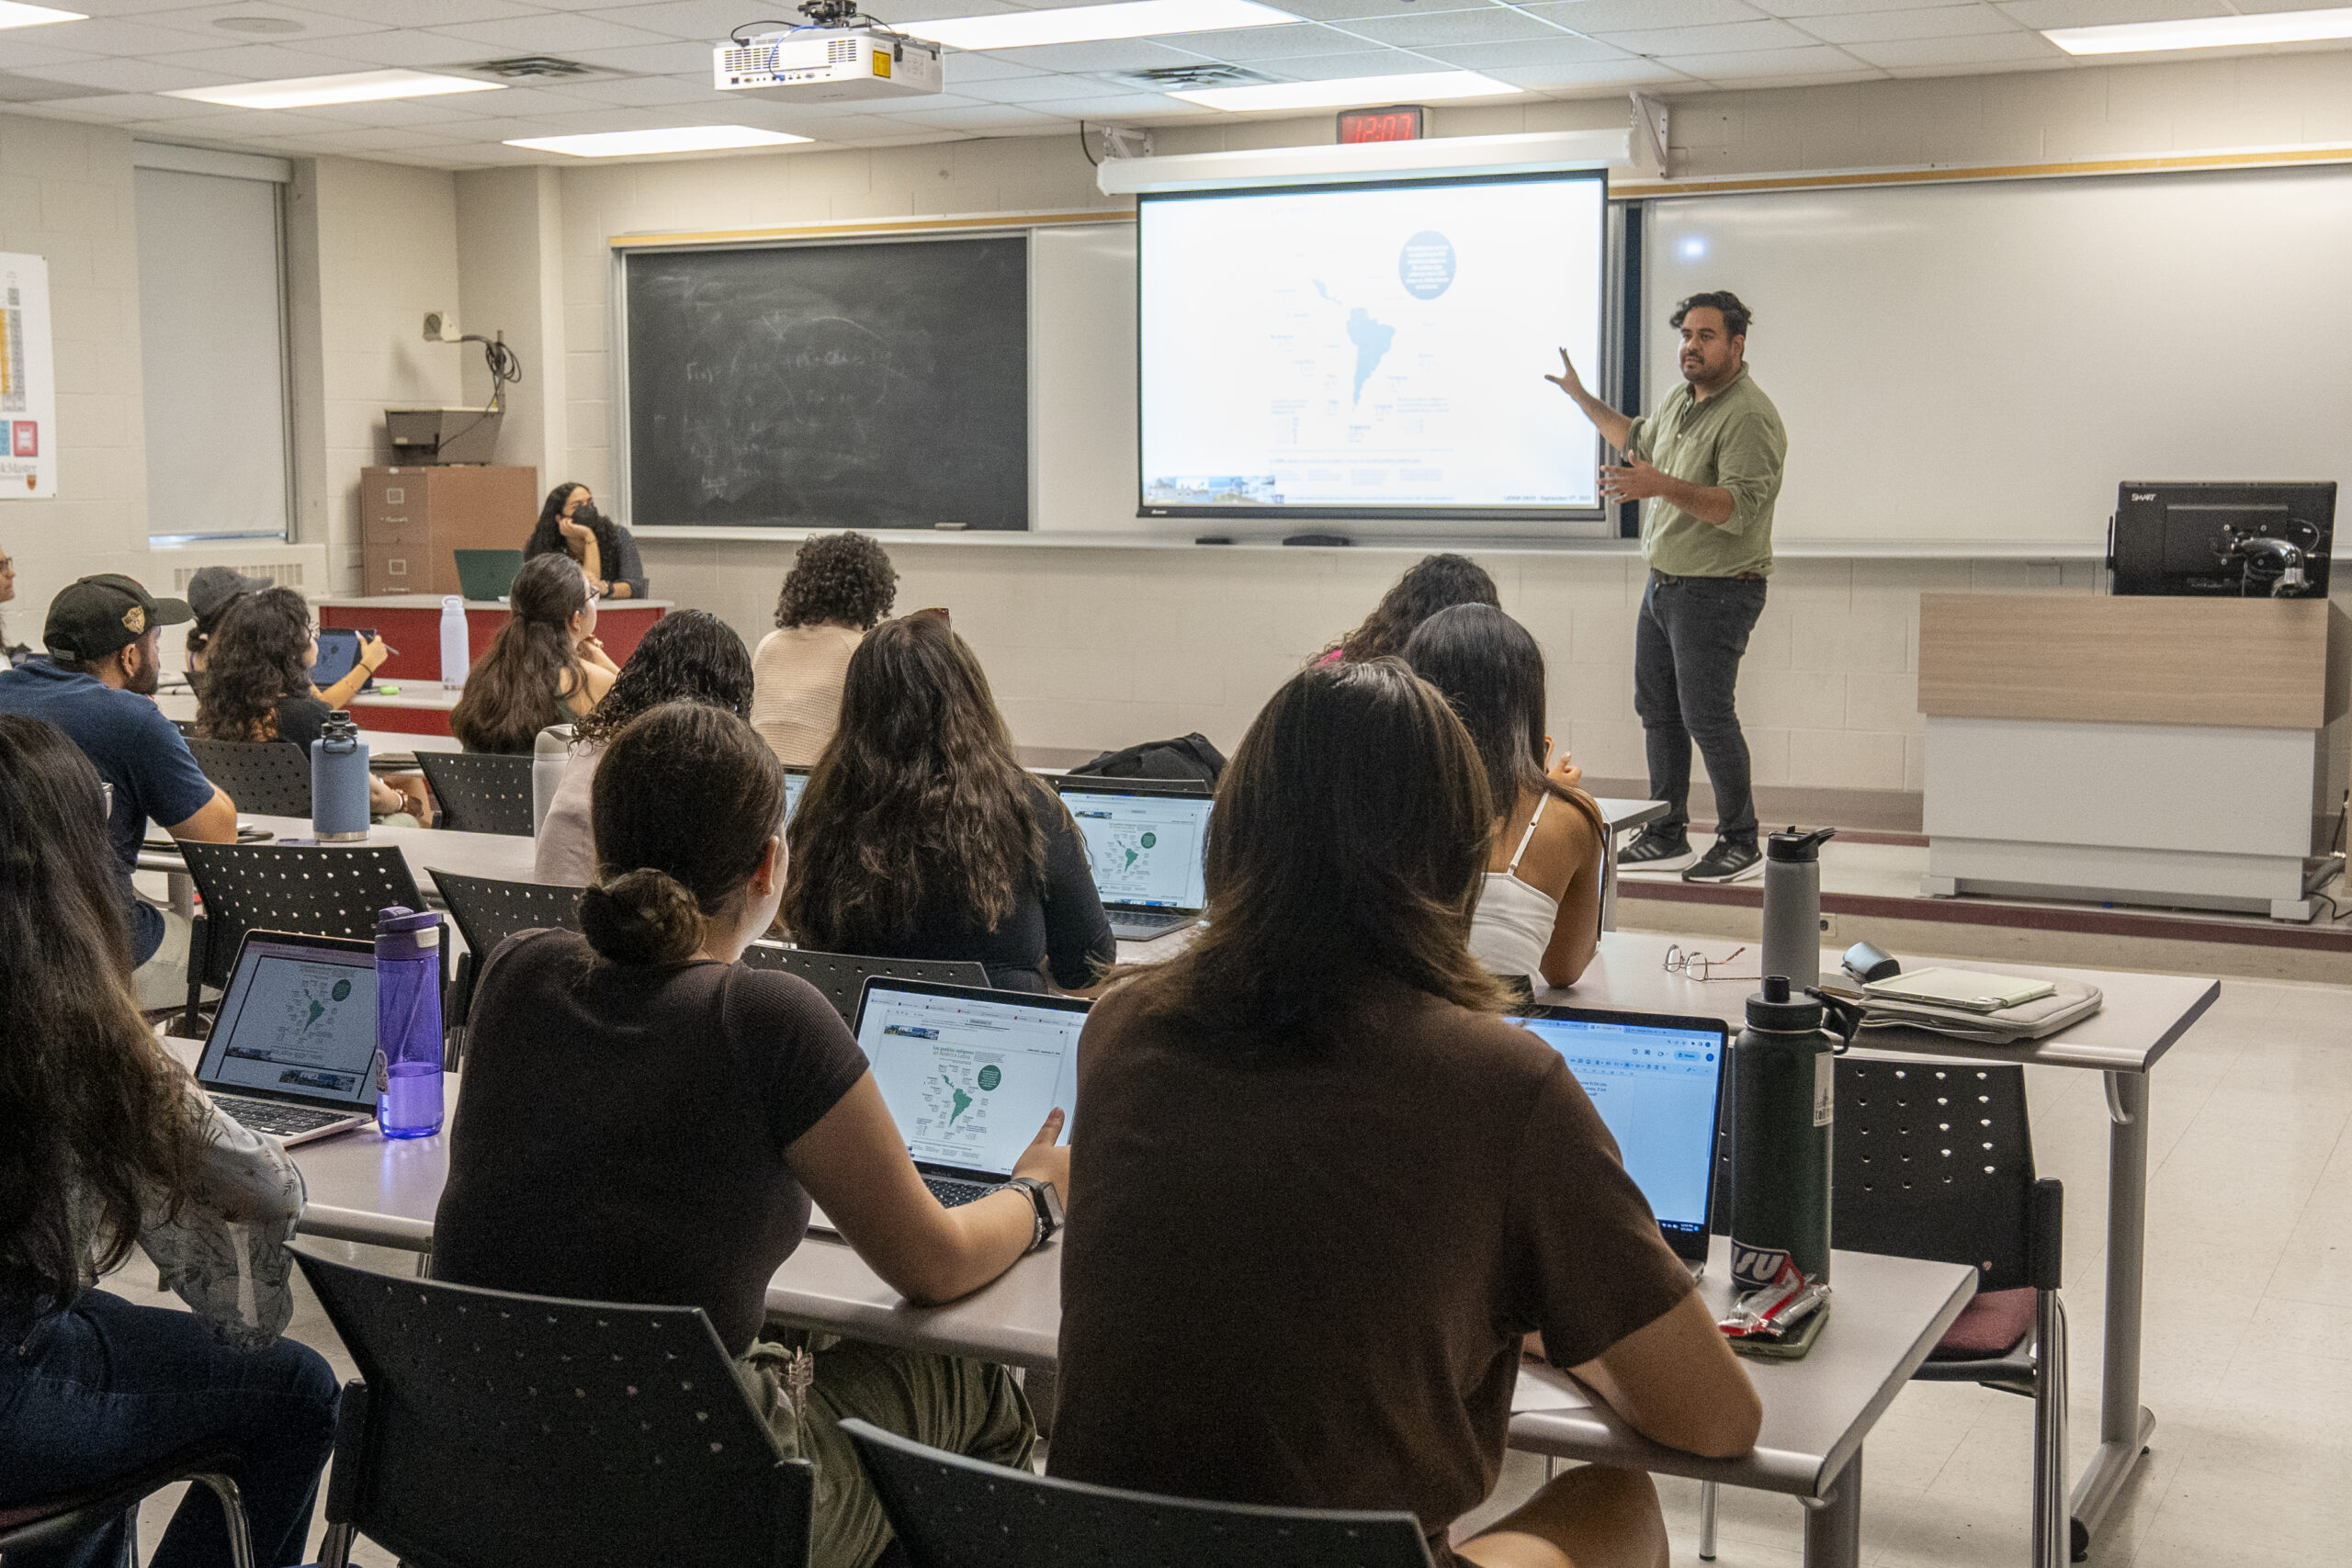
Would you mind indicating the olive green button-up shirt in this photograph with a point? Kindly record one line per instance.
(1732, 441)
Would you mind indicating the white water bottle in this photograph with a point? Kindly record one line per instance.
(455, 654)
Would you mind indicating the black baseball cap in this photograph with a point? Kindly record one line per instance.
(214, 586)
(93, 616)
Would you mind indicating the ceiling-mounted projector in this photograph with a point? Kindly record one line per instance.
(839, 55)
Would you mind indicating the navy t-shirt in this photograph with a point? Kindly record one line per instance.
(134, 748)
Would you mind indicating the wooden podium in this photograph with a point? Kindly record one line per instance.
(2174, 752)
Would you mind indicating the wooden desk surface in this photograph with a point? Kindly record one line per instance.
(2244, 663)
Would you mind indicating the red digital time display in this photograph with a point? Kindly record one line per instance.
(1398, 124)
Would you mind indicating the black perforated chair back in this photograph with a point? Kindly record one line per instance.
(270, 777)
(841, 976)
(496, 1430)
(481, 792)
(488, 911)
(1934, 1160)
(318, 891)
(954, 1512)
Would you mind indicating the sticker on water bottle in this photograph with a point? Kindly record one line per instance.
(1825, 1089)
(381, 1072)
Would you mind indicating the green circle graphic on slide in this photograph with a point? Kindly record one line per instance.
(990, 1077)
(1148, 839)
(342, 991)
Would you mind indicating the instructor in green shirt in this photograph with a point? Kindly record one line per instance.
(1708, 463)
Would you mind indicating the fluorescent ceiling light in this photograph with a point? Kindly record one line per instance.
(675, 139)
(1427, 87)
(356, 87)
(1093, 24)
(2205, 32)
(12, 14)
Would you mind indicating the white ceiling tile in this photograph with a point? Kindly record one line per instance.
(1495, 24)
(1745, 64)
(377, 140)
(1629, 15)
(1350, 11)
(240, 125)
(1937, 21)
(707, 20)
(417, 50)
(1625, 71)
(2041, 14)
(982, 117)
(114, 38)
(1724, 37)
(414, 15)
(1552, 49)
(124, 75)
(1842, 8)
(1339, 67)
(1267, 43)
(263, 62)
(1974, 49)
(965, 66)
(124, 106)
(445, 108)
(202, 22)
(680, 58)
(1133, 108)
(16, 51)
(1037, 87)
(640, 89)
(1119, 54)
(560, 34)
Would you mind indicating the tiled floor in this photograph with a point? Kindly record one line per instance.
(2249, 1300)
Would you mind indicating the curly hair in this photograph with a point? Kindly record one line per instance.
(845, 578)
(1434, 582)
(546, 535)
(259, 657)
(689, 656)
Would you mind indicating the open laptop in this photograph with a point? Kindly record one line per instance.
(338, 651)
(969, 1075)
(487, 574)
(795, 781)
(292, 1051)
(1658, 1082)
(1147, 840)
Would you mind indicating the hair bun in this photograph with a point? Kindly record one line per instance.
(641, 917)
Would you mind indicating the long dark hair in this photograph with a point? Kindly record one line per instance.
(1433, 583)
(516, 689)
(1347, 848)
(546, 535)
(689, 656)
(684, 803)
(88, 1101)
(259, 657)
(917, 801)
(1489, 669)
(844, 578)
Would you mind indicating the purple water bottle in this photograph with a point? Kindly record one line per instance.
(407, 1022)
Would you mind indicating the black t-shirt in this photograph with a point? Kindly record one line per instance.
(620, 1132)
(1062, 930)
(301, 720)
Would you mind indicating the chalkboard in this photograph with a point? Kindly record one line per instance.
(879, 385)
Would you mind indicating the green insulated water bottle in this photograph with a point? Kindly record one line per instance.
(1783, 1100)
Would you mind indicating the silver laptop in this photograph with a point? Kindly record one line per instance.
(795, 782)
(292, 1051)
(969, 1075)
(1656, 1080)
(1147, 840)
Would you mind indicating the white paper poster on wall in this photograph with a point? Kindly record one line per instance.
(27, 382)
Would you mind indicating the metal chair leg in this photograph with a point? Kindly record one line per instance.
(2052, 1506)
(233, 1515)
(1708, 1491)
(336, 1551)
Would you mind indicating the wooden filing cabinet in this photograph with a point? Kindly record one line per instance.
(412, 519)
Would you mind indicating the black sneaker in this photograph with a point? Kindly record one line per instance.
(1653, 850)
(1730, 859)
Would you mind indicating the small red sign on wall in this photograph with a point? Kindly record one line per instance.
(24, 439)
(1400, 123)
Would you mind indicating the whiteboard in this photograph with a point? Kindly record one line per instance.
(1986, 362)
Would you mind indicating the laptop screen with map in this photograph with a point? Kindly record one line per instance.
(296, 1022)
(969, 1074)
(1148, 844)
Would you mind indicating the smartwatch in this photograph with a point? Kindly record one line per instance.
(1048, 1204)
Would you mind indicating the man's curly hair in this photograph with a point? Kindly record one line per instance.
(841, 577)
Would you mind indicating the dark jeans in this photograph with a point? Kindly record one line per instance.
(104, 1386)
(1686, 648)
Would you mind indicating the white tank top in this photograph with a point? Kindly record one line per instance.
(1513, 923)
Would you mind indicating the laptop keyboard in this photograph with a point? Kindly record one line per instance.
(954, 1194)
(278, 1121)
(1150, 920)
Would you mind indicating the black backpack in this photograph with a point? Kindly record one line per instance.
(1186, 757)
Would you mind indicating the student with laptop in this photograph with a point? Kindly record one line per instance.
(257, 687)
(920, 836)
(214, 588)
(571, 524)
(840, 585)
(1327, 1189)
(1539, 913)
(103, 666)
(687, 656)
(645, 1118)
(107, 1146)
(545, 666)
